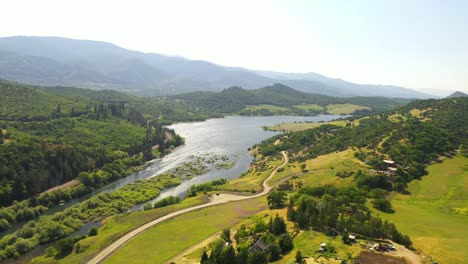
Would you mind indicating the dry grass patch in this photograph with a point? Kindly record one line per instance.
(346, 109)
(292, 127)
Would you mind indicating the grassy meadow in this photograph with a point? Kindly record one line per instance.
(314, 107)
(322, 170)
(116, 226)
(251, 181)
(308, 242)
(293, 127)
(347, 109)
(271, 108)
(435, 214)
(167, 239)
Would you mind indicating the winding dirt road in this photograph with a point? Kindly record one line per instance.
(215, 200)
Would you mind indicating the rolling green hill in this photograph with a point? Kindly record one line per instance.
(20, 101)
(238, 100)
(422, 192)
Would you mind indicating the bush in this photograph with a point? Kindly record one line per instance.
(167, 201)
(148, 206)
(93, 231)
(382, 205)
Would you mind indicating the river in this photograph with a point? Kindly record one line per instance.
(231, 135)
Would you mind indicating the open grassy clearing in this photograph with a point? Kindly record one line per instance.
(418, 113)
(338, 109)
(343, 160)
(322, 170)
(252, 181)
(308, 242)
(166, 240)
(115, 226)
(324, 178)
(265, 215)
(290, 169)
(397, 118)
(314, 107)
(288, 127)
(271, 108)
(429, 215)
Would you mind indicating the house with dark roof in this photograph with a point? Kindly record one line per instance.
(260, 245)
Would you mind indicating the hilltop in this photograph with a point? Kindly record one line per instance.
(457, 94)
(281, 99)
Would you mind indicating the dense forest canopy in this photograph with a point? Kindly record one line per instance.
(48, 139)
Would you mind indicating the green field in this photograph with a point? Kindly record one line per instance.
(338, 109)
(313, 107)
(322, 170)
(166, 240)
(271, 108)
(309, 241)
(252, 180)
(116, 226)
(434, 215)
(343, 160)
(292, 127)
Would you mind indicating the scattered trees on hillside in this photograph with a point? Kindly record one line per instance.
(326, 207)
(276, 199)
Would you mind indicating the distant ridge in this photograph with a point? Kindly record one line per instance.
(56, 61)
(457, 94)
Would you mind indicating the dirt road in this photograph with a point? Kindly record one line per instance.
(215, 199)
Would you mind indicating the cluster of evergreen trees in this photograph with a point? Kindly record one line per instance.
(273, 235)
(326, 208)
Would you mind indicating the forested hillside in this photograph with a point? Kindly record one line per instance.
(289, 101)
(411, 136)
(48, 139)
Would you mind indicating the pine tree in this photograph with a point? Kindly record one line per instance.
(298, 257)
(204, 257)
(279, 226)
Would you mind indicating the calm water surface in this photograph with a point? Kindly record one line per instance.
(232, 135)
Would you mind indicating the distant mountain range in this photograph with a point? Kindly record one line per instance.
(101, 65)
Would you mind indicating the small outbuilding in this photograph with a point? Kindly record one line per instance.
(260, 245)
(322, 247)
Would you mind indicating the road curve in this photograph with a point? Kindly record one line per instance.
(127, 237)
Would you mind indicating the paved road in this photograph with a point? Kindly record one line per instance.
(219, 200)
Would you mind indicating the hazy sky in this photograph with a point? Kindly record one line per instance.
(412, 43)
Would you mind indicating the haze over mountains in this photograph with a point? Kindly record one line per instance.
(101, 65)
